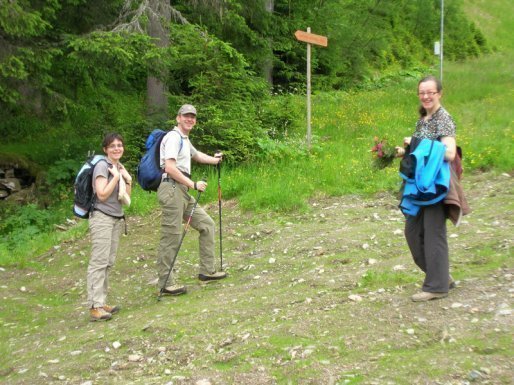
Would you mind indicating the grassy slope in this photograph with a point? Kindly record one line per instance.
(292, 321)
(477, 93)
(484, 88)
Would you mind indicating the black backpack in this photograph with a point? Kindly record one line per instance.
(84, 199)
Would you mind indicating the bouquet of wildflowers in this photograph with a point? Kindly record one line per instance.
(383, 153)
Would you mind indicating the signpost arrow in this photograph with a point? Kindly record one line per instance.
(310, 38)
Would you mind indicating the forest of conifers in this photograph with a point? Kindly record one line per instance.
(71, 70)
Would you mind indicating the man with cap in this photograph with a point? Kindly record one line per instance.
(176, 153)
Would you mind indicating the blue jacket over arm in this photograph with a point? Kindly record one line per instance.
(431, 180)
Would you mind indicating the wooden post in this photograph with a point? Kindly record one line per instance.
(310, 38)
(308, 93)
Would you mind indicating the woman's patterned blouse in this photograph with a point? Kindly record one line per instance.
(440, 124)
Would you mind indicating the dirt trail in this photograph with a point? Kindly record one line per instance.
(321, 297)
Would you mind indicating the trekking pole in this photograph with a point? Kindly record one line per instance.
(186, 227)
(219, 210)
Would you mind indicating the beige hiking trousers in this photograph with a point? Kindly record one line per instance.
(176, 206)
(105, 236)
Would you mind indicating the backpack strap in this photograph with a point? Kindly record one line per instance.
(181, 140)
(93, 201)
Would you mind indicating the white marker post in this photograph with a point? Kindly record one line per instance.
(442, 42)
(310, 38)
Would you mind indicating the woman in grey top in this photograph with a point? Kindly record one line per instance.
(426, 232)
(112, 186)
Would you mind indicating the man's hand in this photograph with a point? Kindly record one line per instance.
(219, 155)
(201, 185)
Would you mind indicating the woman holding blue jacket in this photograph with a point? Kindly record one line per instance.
(425, 232)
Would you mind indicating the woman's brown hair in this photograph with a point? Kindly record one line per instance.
(109, 138)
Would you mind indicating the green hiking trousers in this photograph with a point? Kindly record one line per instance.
(176, 205)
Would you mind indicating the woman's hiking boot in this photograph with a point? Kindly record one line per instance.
(99, 314)
(111, 309)
(427, 296)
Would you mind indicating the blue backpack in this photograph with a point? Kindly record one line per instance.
(149, 172)
(84, 199)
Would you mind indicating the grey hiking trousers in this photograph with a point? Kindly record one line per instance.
(426, 237)
(105, 237)
(176, 205)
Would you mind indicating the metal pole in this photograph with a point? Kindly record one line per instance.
(442, 37)
(308, 93)
(219, 211)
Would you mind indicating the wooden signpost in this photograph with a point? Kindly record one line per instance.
(310, 38)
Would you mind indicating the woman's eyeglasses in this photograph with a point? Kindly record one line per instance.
(427, 93)
(114, 146)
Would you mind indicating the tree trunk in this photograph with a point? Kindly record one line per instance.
(156, 90)
(267, 66)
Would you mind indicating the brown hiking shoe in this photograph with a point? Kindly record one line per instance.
(427, 296)
(212, 277)
(111, 309)
(174, 290)
(99, 314)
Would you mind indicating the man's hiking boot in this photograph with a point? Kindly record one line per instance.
(212, 277)
(111, 309)
(427, 296)
(99, 314)
(174, 290)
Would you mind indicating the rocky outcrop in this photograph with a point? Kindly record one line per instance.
(17, 178)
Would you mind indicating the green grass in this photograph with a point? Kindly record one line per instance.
(377, 279)
(493, 20)
(26, 253)
(142, 202)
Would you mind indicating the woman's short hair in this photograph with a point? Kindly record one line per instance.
(111, 137)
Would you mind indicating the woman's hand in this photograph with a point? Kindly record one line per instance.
(406, 140)
(124, 173)
(451, 147)
(114, 171)
(400, 151)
